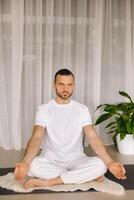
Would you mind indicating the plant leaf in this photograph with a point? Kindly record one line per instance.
(110, 132)
(114, 138)
(122, 106)
(121, 125)
(133, 126)
(110, 109)
(113, 127)
(129, 127)
(102, 118)
(101, 105)
(110, 124)
(125, 95)
(122, 135)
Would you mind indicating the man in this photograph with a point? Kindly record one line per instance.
(59, 128)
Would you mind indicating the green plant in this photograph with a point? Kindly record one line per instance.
(121, 116)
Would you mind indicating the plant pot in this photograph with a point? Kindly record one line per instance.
(125, 146)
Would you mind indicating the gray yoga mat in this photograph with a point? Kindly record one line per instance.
(128, 183)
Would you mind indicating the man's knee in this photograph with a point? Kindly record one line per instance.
(101, 166)
(32, 168)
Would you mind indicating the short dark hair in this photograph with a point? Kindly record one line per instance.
(63, 72)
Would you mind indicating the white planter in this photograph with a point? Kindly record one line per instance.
(126, 146)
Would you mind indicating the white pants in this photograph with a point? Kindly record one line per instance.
(76, 170)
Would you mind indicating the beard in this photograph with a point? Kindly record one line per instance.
(64, 95)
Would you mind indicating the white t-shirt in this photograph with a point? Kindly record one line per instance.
(64, 124)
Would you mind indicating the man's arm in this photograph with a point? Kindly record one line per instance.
(34, 144)
(98, 146)
(32, 150)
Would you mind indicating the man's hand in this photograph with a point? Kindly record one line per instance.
(21, 170)
(117, 169)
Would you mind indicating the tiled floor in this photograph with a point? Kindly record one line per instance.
(9, 158)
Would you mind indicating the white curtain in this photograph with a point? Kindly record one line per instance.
(93, 38)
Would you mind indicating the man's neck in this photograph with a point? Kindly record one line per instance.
(62, 101)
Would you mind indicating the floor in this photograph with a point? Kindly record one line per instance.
(10, 157)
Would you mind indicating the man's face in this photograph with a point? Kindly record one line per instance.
(64, 86)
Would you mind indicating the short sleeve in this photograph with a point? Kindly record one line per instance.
(40, 117)
(86, 117)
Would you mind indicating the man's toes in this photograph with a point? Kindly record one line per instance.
(100, 179)
(28, 184)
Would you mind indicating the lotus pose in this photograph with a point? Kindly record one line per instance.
(59, 129)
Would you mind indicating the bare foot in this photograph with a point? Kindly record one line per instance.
(35, 182)
(100, 179)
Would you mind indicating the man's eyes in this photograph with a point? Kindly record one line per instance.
(63, 84)
(70, 84)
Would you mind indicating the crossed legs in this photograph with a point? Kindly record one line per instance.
(83, 170)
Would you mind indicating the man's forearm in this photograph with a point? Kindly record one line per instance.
(97, 144)
(32, 150)
(34, 144)
(100, 149)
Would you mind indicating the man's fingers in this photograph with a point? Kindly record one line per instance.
(118, 170)
(123, 169)
(123, 172)
(17, 172)
(16, 169)
(19, 176)
(20, 171)
(120, 176)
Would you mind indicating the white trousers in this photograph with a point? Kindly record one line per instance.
(76, 170)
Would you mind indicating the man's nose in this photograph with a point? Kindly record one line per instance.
(65, 88)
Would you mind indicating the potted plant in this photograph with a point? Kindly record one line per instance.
(120, 118)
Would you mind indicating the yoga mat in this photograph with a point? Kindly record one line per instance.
(128, 183)
(3, 191)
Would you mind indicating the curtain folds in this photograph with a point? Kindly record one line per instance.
(93, 38)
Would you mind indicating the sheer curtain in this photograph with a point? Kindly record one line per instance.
(93, 38)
